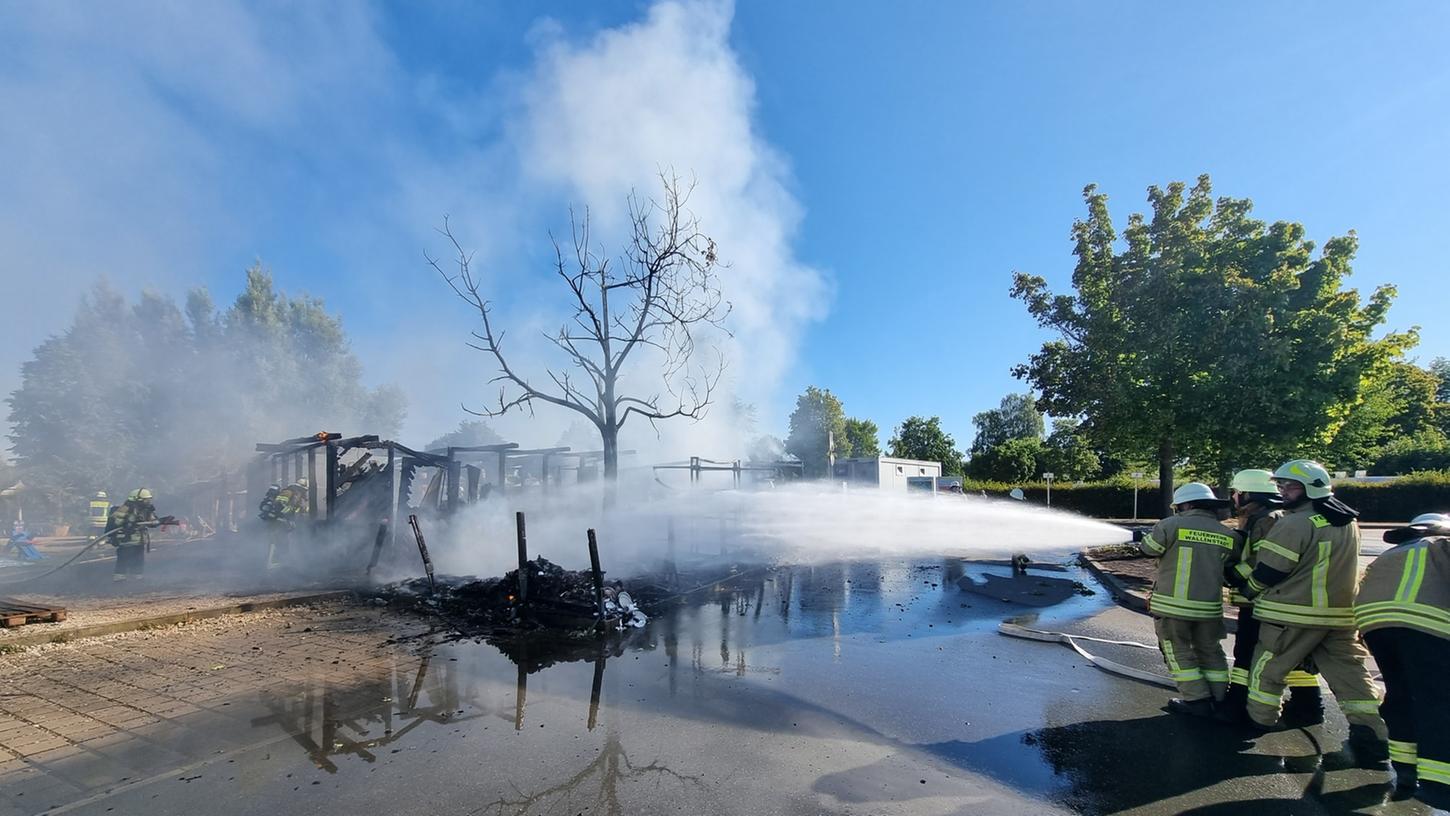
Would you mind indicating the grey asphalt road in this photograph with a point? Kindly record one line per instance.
(859, 688)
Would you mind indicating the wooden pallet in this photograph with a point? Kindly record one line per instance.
(14, 613)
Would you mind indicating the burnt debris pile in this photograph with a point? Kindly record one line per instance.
(550, 598)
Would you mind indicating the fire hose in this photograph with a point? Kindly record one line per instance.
(74, 558)
(1018, 631)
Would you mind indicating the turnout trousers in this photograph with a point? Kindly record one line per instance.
(1246, 639)
(1340, 660)
(1417, 704)
(131, 559)
(1194, 653)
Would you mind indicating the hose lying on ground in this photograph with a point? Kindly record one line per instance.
(27, 578)
(1017, 631)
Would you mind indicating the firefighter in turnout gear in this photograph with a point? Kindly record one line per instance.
(280, 509)
(1403, 610)
(100, 513)
(1303, 586)
(132, 521)
(1187, 600)
(1256, 505)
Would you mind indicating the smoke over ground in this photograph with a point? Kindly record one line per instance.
(800, 524)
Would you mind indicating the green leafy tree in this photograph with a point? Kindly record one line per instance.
(1440, 368)
(1206, 336)
(818, 417)
(1068, 454)
(1016, 417)
(1397, 402)
(144, 393)
(863, 438)
(923, 438)
(1016, 460)
(1424, 452)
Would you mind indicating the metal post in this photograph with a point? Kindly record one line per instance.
(1048, 478)
(598, 576)
(1137, 476)
(523, 559)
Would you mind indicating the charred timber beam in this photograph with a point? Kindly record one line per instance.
(523, 572)
(330, 478)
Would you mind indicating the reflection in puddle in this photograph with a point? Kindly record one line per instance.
(744, 656)
(356, 718)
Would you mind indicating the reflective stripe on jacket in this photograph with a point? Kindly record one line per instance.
(1322, 562)
(1192, 548)
(1245, 552)
(1407, 586)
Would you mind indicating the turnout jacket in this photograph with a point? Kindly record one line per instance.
(1408, 586)
(1192, 548)
(133, 521)
(1254, 528)
(1320, 567)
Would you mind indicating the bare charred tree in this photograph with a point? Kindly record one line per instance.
(645, 305)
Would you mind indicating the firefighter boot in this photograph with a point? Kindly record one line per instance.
(1369, 749)
(1305, 706)
(1405, 782)
(1232, 710)
(1192, 708)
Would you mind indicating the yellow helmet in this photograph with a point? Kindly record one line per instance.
(303, 483)
(139, 494)
(1306, 472)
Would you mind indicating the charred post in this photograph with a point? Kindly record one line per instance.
(523, 559)
(598, 575)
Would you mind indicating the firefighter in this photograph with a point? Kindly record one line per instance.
(100, 513)
(1256, 505)
(1187, 600)
(1303, 586)
(281, 510)
(1403, 610)
(132, 521)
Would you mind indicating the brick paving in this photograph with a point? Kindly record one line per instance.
(76, 718)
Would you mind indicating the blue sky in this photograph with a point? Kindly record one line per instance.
(881, 169)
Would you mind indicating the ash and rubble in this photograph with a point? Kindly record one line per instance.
(557, 599)
(559, 621)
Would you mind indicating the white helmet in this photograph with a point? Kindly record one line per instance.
(1306, 472)
(1421, 526)
(1195, 491)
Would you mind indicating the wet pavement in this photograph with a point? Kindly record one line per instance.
(861, 688)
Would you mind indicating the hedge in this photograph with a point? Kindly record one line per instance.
(1399, 500)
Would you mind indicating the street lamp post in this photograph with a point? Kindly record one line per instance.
(1048, 477)
(1137, 477)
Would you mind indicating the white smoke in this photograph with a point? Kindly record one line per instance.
(165, 145)
(798, 524)
(668, 95)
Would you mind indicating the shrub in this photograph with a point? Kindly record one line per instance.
(1398, 500)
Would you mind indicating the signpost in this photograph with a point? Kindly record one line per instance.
(1137, 477)
(1048, 477)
